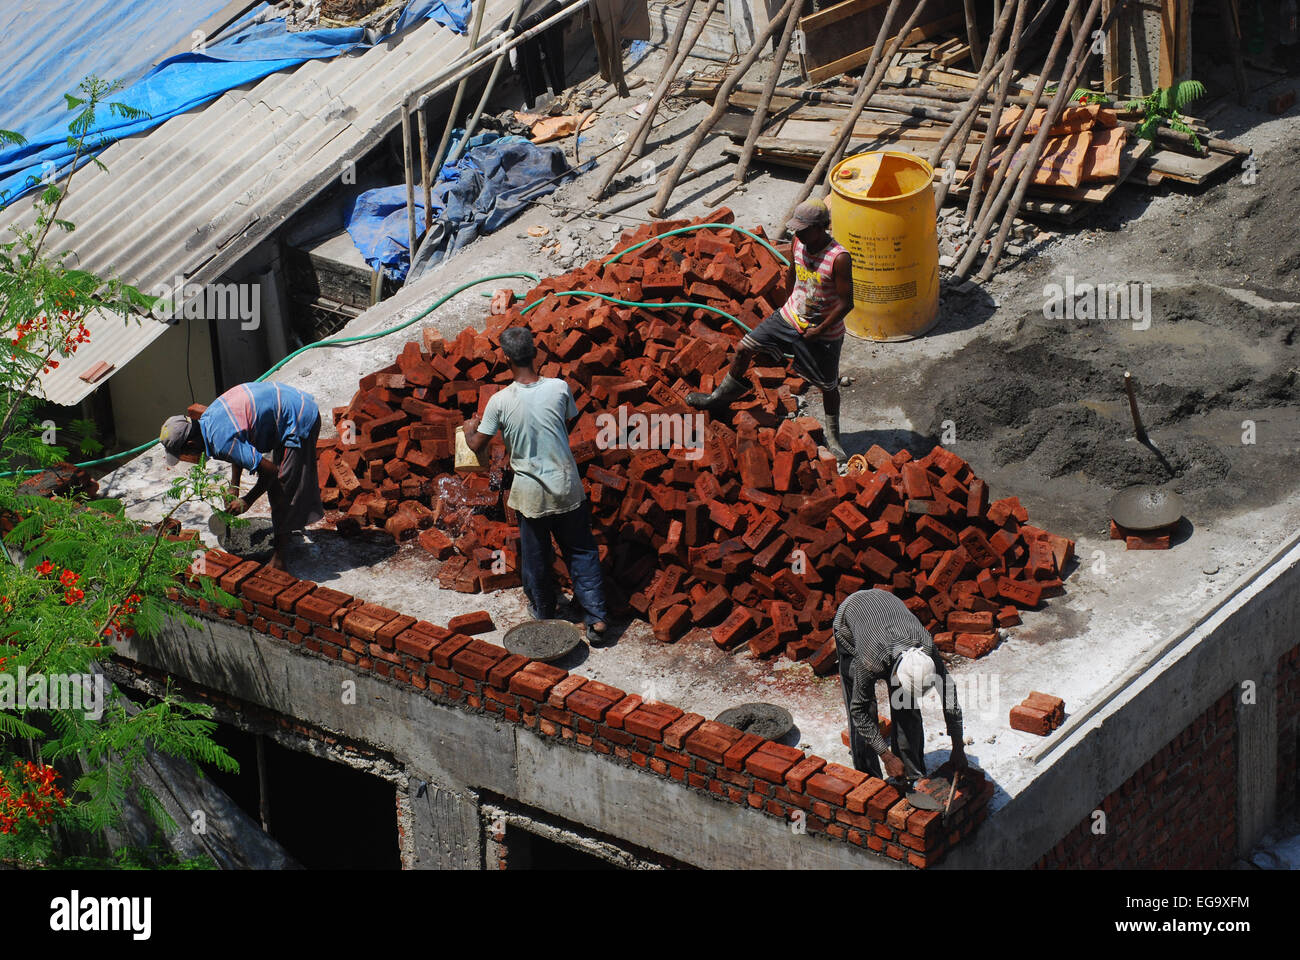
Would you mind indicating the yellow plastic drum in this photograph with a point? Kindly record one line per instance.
(882, 213)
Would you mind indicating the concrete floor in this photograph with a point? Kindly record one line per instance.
(1118, 607)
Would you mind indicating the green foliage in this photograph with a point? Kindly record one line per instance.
(1162, 108)
(76, 576)
(1081, 95)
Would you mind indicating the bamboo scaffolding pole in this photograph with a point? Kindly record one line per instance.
(765, 98)
(660, 202)
(678, 54)
(991, 203)
(995, 115)
(451, 115)
(1080, 56)
(872, 74)
(960, 129)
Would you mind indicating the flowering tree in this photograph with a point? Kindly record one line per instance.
(77, 574)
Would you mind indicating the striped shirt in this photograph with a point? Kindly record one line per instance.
(814, 295)
(873, 628)
(253, 419)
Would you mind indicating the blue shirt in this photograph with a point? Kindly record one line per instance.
(253, 419)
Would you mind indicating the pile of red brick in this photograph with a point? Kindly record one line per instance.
(751, 532)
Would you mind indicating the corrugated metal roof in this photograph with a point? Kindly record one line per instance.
(194, 195)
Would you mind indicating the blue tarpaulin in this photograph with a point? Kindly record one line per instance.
(188, 80)
(486, 189)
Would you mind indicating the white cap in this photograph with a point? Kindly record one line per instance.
(916, 675)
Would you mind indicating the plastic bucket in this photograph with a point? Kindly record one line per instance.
(882, 213)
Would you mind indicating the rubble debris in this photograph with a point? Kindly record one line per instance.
(742, 528)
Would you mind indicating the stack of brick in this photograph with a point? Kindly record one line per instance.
(805, 791)
(1160, 538)
(1038, 713)
(750, 532)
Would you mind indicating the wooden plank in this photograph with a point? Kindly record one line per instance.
(812, 131)
(959, 53)
(825, 71)
(1168, 41)
(934, 76)
(832, 15)
(1182, 60)
(1110, 56)
(805, 154)
(1185, 168)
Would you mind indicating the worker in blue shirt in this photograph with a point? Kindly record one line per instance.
(269, 429)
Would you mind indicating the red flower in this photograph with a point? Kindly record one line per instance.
(68, 578)
(44, 568)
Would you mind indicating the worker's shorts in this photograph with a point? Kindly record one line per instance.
(298, 503)
(817, 361)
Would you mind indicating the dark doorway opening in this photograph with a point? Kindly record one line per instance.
(328, 816)
(528, 851)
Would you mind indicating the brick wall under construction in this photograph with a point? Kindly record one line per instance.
(1178, 811)
(1288, 730)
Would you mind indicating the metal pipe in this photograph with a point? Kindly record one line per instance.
(410, 174)
(487, 91)
(1139, 430)
(455, 104)
(426, 186)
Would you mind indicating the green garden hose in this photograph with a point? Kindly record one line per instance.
(361, 338)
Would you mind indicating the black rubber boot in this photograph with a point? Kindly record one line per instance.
(729, 389)
(832, 431)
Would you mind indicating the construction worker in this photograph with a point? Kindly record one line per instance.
(269, 429)
(878, 638)
(810, 324)
(534, 415)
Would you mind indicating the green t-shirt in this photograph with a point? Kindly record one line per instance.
(534, 422)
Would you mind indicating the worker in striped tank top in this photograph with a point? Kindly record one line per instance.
(809, 325)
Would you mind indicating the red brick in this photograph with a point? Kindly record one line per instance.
(560, 692)
(232, 580)
(712, 740)
(499, 676)
(860, 796)
(878, 806)
(651, 720)
(675, 734)
(618, 713)
(797, 776)
(365, 621)
(1030, 720)
(536, 680)
(734, 759)
(974, 645)
(772, 761)
(480, 621)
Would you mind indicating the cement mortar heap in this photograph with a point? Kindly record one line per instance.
(748, 529)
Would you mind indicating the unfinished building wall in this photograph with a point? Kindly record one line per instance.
(1178, 811)
(1288, 729)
